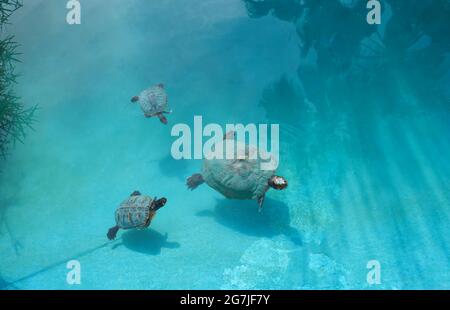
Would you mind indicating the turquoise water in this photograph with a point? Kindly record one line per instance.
(365, 131)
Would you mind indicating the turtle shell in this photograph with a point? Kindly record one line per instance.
(153, 100)
(134, 212)
(238, 178)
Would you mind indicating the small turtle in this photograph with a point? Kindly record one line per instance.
(238, 178)
(153, 102)
(137, 211)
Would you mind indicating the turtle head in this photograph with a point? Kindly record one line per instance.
(277, 182)
(158, 203)
(135, 99)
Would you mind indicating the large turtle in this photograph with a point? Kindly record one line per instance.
(137, 211)
(238, 178)
(153, 102)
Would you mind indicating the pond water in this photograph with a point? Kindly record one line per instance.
(365, 149)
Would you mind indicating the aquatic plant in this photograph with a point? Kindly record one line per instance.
(14, 117)
(284, 92)
(287, 10)
(353, 59)
(415, 43)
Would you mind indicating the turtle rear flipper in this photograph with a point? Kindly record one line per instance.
(135, 193)
(112, 232)
(162, 118)
(194, 181)
(261, 202)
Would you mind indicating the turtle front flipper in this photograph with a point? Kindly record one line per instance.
(261, 202)
(135, 193)
(194, 181)
(112, 232)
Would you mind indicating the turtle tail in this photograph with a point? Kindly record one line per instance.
(112, 232)
(194, 181)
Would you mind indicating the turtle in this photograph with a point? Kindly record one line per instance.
(153, 102)
(137, 211)
(238, 178)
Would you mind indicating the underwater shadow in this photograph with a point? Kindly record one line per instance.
(146, 241)
(243, 216)
(4, 285)
(15, 243)
(173, 168)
